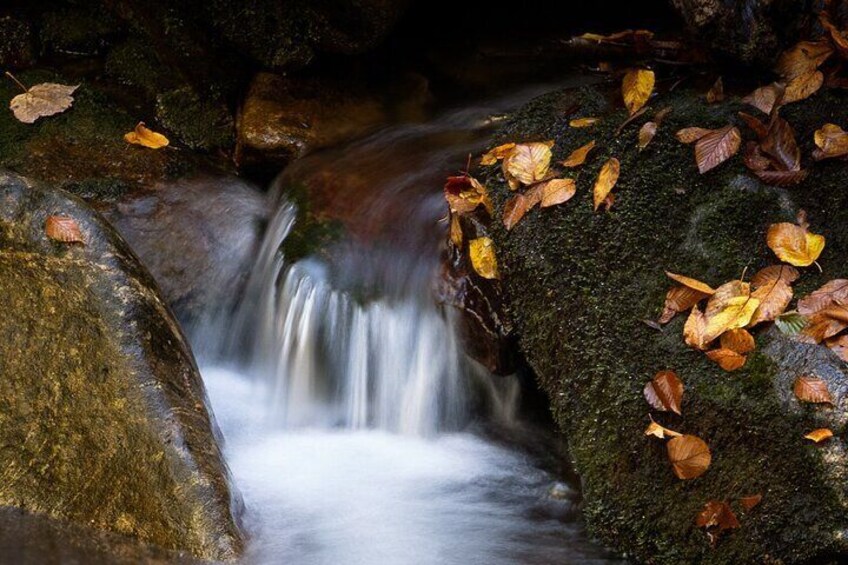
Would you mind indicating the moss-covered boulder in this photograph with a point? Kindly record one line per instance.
(103, 414)
(579, 284)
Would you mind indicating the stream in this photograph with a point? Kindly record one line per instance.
(355, 427)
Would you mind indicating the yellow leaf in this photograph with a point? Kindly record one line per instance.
(528, 162)
(636, 87)
(496, 154)
(146, 137)
(582, 122)
(731, 307)
(831, 140)
(803, 58)
(606, 180)
(578, 156)
(794, 244)
(455, 231)
(657, 430)
(803, 86)
(819, 435)
(689, 455)
(482, 252)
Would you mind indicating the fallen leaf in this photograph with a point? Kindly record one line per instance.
(679, 299)
(665, 392)
(779, 143)
(837, 35)
(464, 194)
(63, 228)
(717, 515)
(607, 178)
(42, 100)
(528, 162)
(738, 340)
(498, 153)
(694, 284)
(636, 87)
(146, 137)
(749, 502)
(690, 135)
(716, 92)
(661, 115)
(791, 323)
(765, 97)
(578, 156)
(772, 273)
(557, 191)
(754, 158)
(455, 231)
(803, 58)
(514, 209)
(774, 297)
(812, 389)
(695, 328)
(646, 134)
(657, 430)
(731, 307)
(583, 122)
(717, 147)
(794, 244)
(756, 125)
(482, 252)
(831, 141)
(608, 202)
(819, 435)
(803, 86)
(727, 359)
(826, 323)
(832, 292)
(782, 178)
(839, 345)
(689, 455)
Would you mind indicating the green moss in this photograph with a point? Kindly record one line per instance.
(311, 234)
(199, 122)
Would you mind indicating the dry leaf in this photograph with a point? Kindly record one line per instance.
(731, 307)
(464, 194)
(774, 295)
(694, 284)
(831, 141)
(834, 292)
(690, 135)
(63, 228)
(826, 323)
(794, 244)
(665, 392)
(695, 329)
(557, 191)
(717, 147)
(455, 231)
(838, 36)
(803, 58)
(803, 86)
(606, 180)
(646, 134)
(636, 87)
(727, 359)
(498, 153)
(782, 178)
(754, 158)
(819, 435)
(146, 137)
(514, 209)
(738, 340)
(528, 162)
(482, 253)
(583, 122)
(750, 501)
(765, 97)
(657, 430)
(716, 92)
(578, 156)
(717, 515)
(689, 455)
(756, 125)
(42, 100)
(812, 389)
(679, 299)
(779, 143)
(767, 275)
(839, 345)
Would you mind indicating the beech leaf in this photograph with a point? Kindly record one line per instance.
(482, 253)
(578, 156)
(464, 194)
(690, 457)
(793, 244)
(636, 88)
(832, 292)
(727, 359)
(765, 97)
(42, 100)
(146, 137)
(646, 134)
(774, 295)
(690, 135)
(831, 140)
(812, 389)
(819, 435)
(839, 345)
(514, 209)
(803, 58)
(528, 162)
(695, 329)
(557, 191)
(717, 147)
(750, 501)
(607, 178)
(583, 122)
(657, 430)
(738, 340)
(63, 228)
(497, 154)
(716, 92)
(717, 515)
(694, 284)
(731, 307)
(665, 392)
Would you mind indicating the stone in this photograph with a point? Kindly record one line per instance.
(579, 284)
(103, 413)
(16, 50)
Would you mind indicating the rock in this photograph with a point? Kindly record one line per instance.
(284, 118)
(102, 410)
(17, 49)
(578, 285)
(749, 31)
(200, 122)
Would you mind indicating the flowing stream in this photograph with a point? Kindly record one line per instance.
(354, 426)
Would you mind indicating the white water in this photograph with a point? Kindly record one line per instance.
(348, 415)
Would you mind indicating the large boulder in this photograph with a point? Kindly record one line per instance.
(579, 284)
(103, 413)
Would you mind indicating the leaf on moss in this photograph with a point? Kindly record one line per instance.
(659, 431)
(146, 137)
(803, 86)
(464, 194)
(695, 328)
(499, 153)
(727, 359)
(528, 162)
(731, 307)
(773, 290)
(690, 457)
(482, 253)
(579, 155)
(716, 92)
(738, 340)
(750, 501)
(793, 244)
(831, 141)
(607, 178)
(765, 97)
(690, 135)
(556, 191)
(42, 100)
(636, 88)
(583, 122)
(716, 147)
(514, 209)
(665, 392)
(646, 134)
(819, 435)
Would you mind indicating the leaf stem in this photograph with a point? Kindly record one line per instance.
(16, 81)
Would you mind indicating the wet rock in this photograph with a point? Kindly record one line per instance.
(17, 49)
(78, 30)
(102, 413)
(284, 118)
(578, 285)
(200, 122)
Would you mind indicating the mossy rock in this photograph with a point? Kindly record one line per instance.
(103, 414)
(579, 284)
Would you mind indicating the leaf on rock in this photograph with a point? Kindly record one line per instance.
(665, 392)
(146, 137)
(803, 86)
(812, 389)
(514, 209)
(774, 297)
(464, 194)
(690, 135)
(791, 323)
(636, 87)
(819, 435)
(716, 147)
(731, 307)
(583, 122)
(42, 100)
(779, 143)
(528, 162)
(64, 229)
(578, 156)
(607, 178)
(750, 501)
(765, 97)
(831, 141)
(717, 515)
(727, 359)
(803, 58)
(793, 244)
(831, 293)
(716, 92)
(646, 134)
(826, 323)
(557, 191)
(482, 252)
(694, 284)
(782, 178)
(689, 455)
(738, 340)
(695, 329)
(497, 154)
(839, 345)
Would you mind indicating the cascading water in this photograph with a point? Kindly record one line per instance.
(345, 400)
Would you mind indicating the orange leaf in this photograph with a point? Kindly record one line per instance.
(768, 275)
(63, 228)
(146, 137)
(717, 147)
(749, 502)
(498, 153)
(779, 143)
(794, 244)
(833, 292)
(812, 389)
(514, 210)
(689, 455)
(757, 126)
(727, 359)
(765, 97)
(646, 134)
(819, 435)
(803, 58)
(578, 156)
(679, 299)
(606, 180)
(464, 194)
(803, 86)
(738, 340)
(831, 141)
(583, 122)
(839, 345)
(665, 392)
(557, 191)
(694, 284)
(657, 430)
(716, 92)
(717, 515)
(773, 292)
(528, 162)
(636, 88)
(695, 329)
(690, 135)
(455, 231)
(827, 322)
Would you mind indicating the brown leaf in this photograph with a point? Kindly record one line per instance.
(679, 299)
(146, 137)
(42, 100)
(717, 147)
(661, 115)
(756, 125)
(583, 122)
(665, 392)
(482, 253)
(774, 297)
(690, 135)
(607, 178)
(765, 97)
(514, 209)
(839, 345)
(826, 323)
(464, 194)
(772, 273)
(754, 158)
(498, 153)
(819, 435)
(636, 88)
(695, 329)
(738, 340)
(779, 143)
(717, 515)
(750, 501)
(694, 284)
(64, 229)
(782, 178)
(557, 191)
(731, 307)
(803, 58)
(837, 35)
(646, 134)
(455, 231)
(803, 86)
(578, 156)
(832, 141)
(657, 430)
(812, 389)
(794, 244)
(716, 92)
(727, 359)
(528, 162)
(834, 292)
(689, 455)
